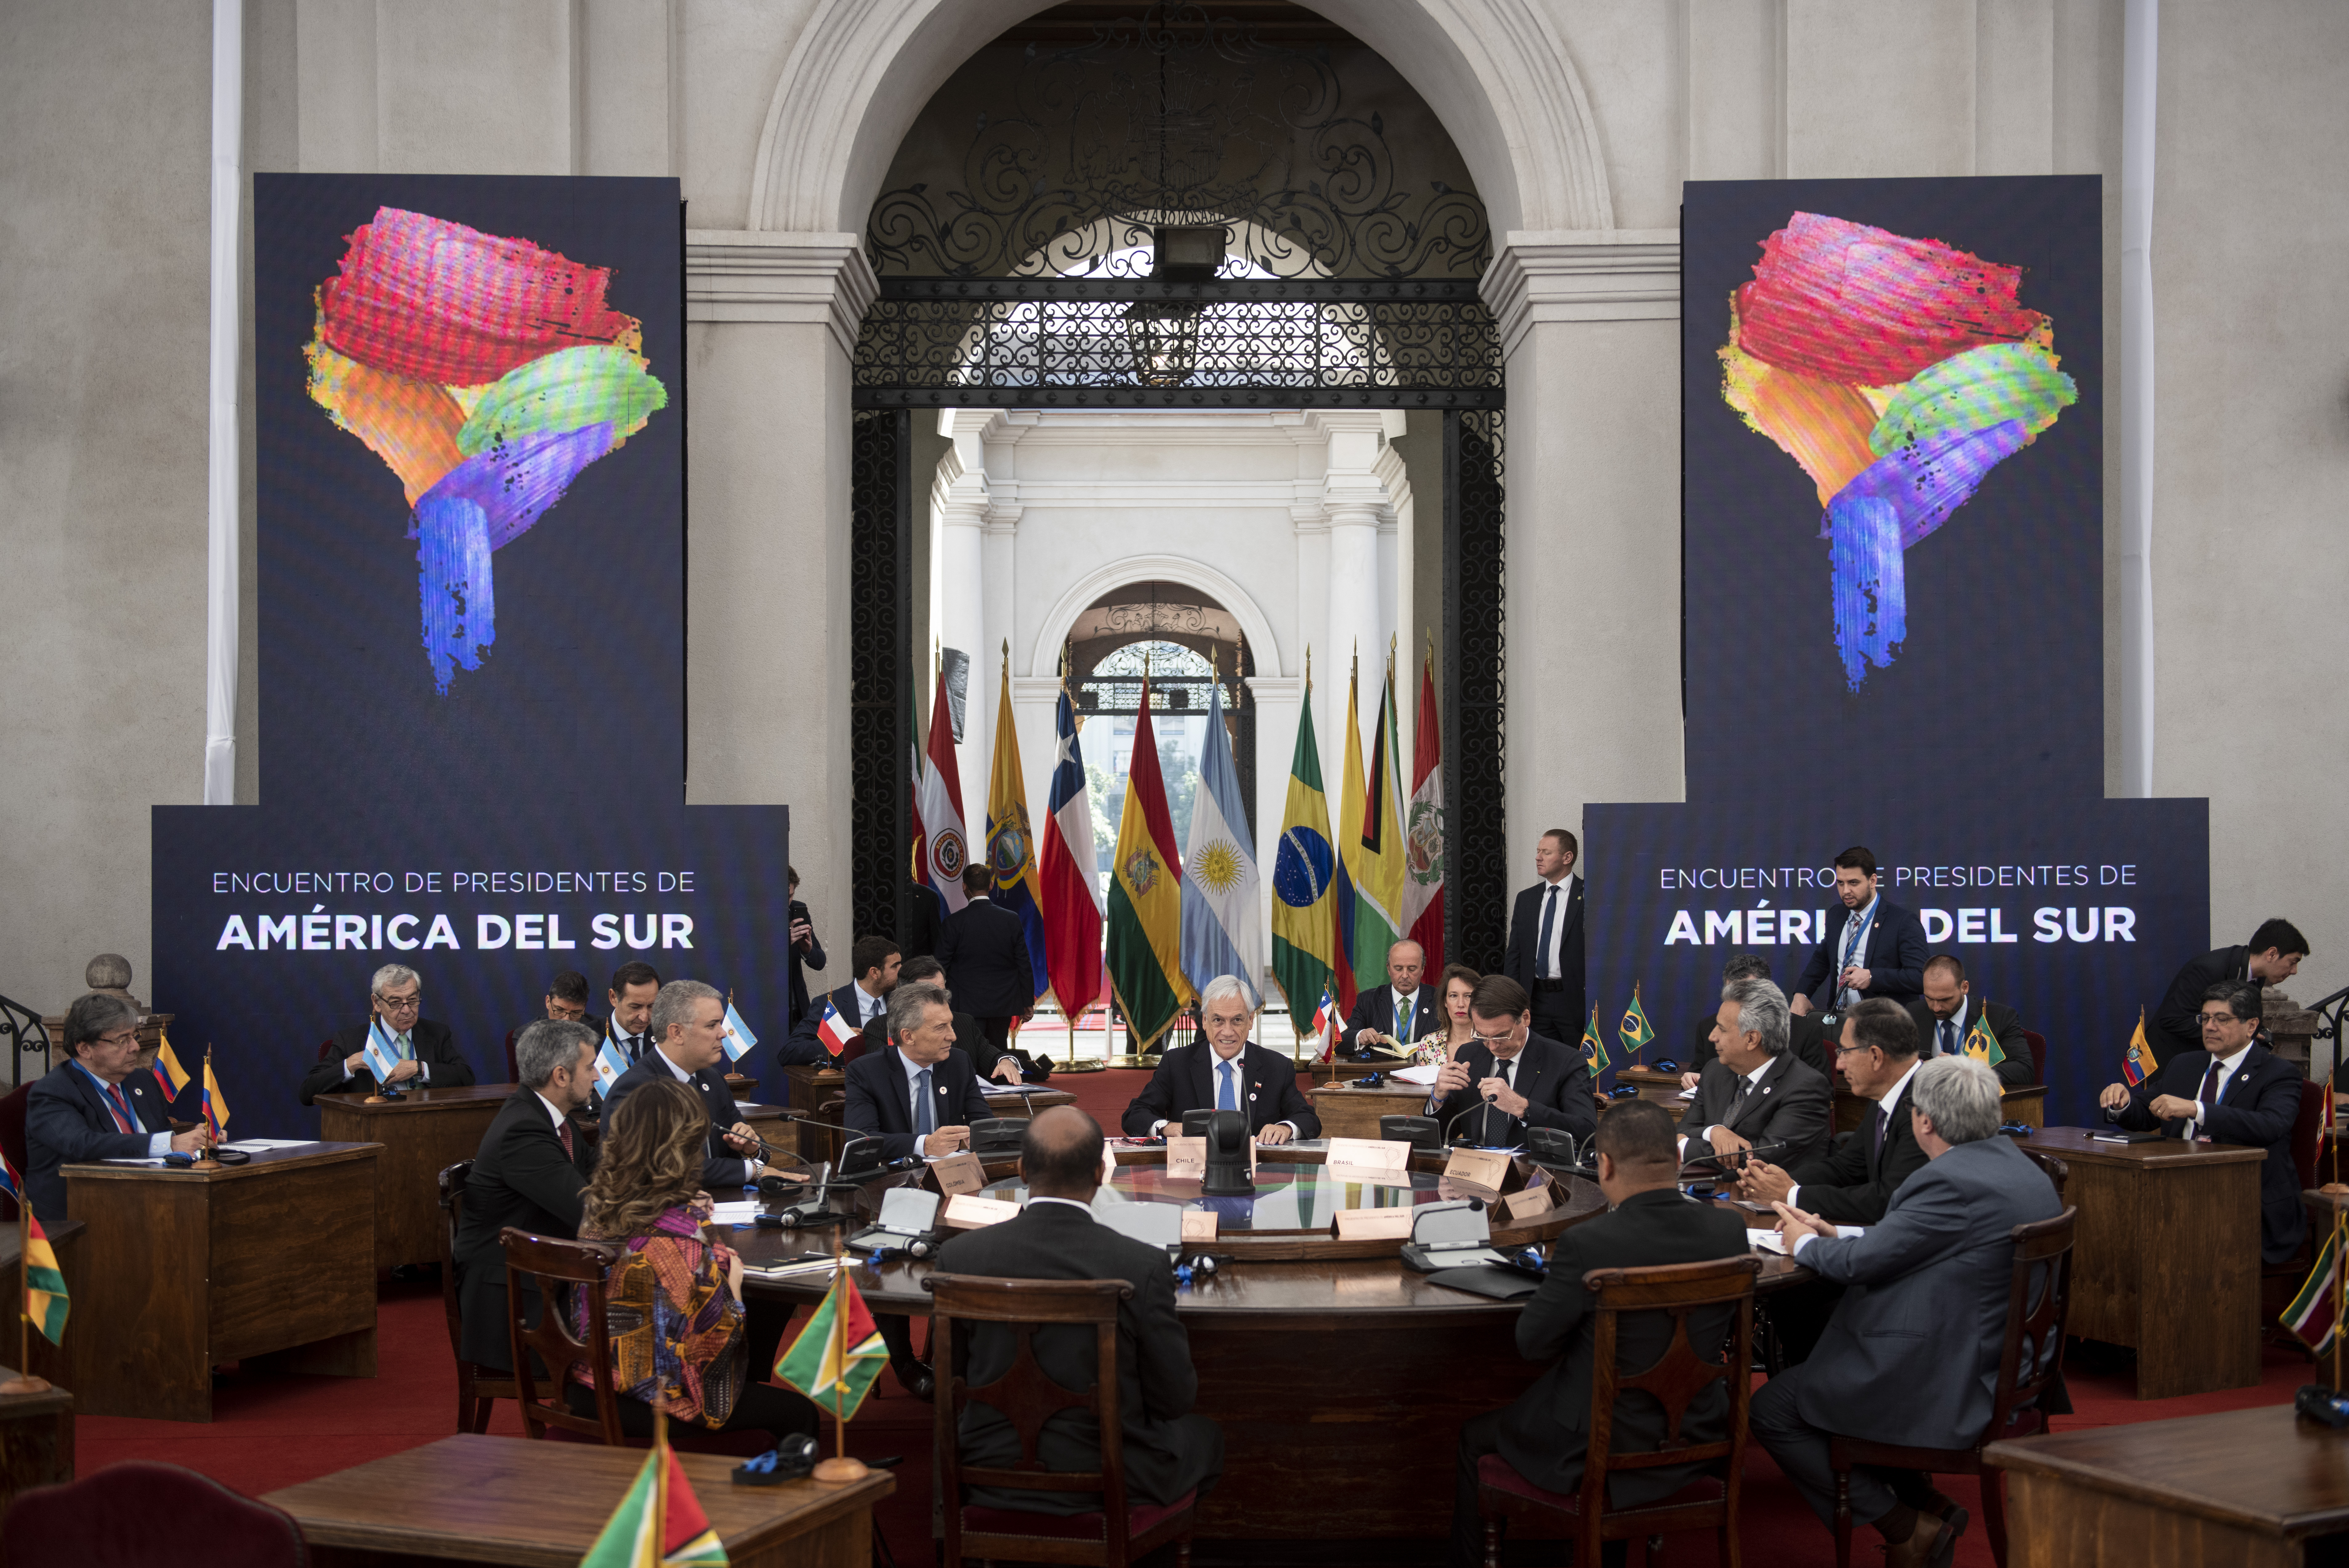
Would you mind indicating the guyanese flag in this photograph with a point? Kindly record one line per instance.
(658, 1523)
(1145, 899)
(838, 1356)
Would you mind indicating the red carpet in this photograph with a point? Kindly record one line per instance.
(271, 1432)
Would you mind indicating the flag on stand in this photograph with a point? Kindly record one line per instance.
(1378, 871)
(738, 1039)
(215, 1103)
(2313, 1316)
(609, 1063)
(1594, 1049)
(1349, 855)
(167, 1069)
(937, 805)
(381, 1049)
(1633, 1031)
(2138, 1065)
(1010, 847)
(1223, 924)
(838, 1355)
(1307, 958)
(1422, 828)
(45, 1282)
(1145, 899)
(659, 1522)
(1072, 911)
(833, 1030)
(1325, 1019)
(1982, 1045)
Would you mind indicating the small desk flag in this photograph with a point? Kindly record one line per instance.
(215, 1103)
(610, 1062)
(738, 1038)
(1634, 1031)
(839, 1354)
(382, 1051)
(45, 1282)
(1982, 1045)
(834, 1030)
(1594, 1049)
(658, 1523)
(2138, 1065)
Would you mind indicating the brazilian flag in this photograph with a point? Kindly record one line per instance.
(1980, 1043)
(1145, 899)
(1305, 949)
(1634, 1031)
(1594, 1049)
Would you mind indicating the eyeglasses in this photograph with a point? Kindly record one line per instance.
(2210, 1017)
(120, 1040)
(1491, 1040)
(401, 1004)
(1842, 1051)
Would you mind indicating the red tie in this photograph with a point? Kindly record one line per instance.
(120, 1107)
(562, 1131)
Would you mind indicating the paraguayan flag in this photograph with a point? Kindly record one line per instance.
(1223, 921)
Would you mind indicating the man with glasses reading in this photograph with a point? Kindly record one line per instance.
(421, 1052)
(2233, 1090)
(85, 1109)
(1506, 1077)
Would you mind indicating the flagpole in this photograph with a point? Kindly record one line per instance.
(839, 1466)
(660, 1470)
(204, 1160)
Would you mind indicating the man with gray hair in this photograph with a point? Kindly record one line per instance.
(1806, 1038)
(1754, 1091)
(920, 1094)
(1940, 1260)
(423, 1052)
(531, 1173)
(687, 1026)
(93, 1104)
(1226, 1072)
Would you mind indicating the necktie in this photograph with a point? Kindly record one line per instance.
(122, 1109)
(1503, 1071)
(1404, 1013)
(2208, 1097)
(1946, 1043)
(562, 1131)
(1883, 1122)
(1542, 968)
(1227, 1097)
(925, 1118)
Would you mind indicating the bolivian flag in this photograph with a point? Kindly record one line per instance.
(1305, 950)
(1982, 1045)
(44, 1284)
(839, 1354)
(1145, 899)
(659, 1522)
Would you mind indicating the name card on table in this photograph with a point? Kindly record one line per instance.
(1539, 1198)
(1373, 1225)
(1199, 1224)
(1485, 1167)
(966, 1212)
(1186, 1158)
(958, 1173)
(1384, 1161)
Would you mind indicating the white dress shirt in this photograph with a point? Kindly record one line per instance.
(1081, 1209)
(1891, 1097)
(1545, 964)
(1239, 1089)
(2227, 1066)
(867, 1005)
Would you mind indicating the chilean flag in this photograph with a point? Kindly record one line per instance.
(1325, 1014)
(1071, 872)
(835, 1031)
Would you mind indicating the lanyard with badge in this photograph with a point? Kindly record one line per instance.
(1855, 947)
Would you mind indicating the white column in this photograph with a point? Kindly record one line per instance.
(1357, 505)
(223, 479)
(958, 505)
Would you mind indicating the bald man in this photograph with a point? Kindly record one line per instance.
(1402, 1010)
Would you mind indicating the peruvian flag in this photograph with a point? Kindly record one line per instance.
(1071, 871)
(1422, 830)
(937, 811)
(834, 1031)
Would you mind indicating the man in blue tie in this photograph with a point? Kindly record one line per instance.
(94, 1105)
(919, 1095)
(1228, 1073)
(1544, 952)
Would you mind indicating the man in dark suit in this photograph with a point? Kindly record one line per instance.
(1911, 1355)
(1854, 1183)
(1003, 1064)
(1754, 1091)
(635, 985)
(530, 1173)
(2272, 957)
(1544, 952)
(863, 1001)
(1806, 1039)
(565, 1002)
(1872, 947)
(95, 1105)
(426, 1052)
(984, 947)
(1402, 1010)
(919, 1095)
(1226, 1072)
(926, 919)
(689, 1021)
(1947, 1010)
(807, 953)
(1169, 1451)
(2232, 1090)
(1545, 1434)
(1508, 1077)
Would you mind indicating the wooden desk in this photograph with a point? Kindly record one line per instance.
(810, 1086)
(1349, 1112)
(1340, 1072)
(422, 1133)
(2166, 1256)
(1662, 1088)
(69, 1239)
(36, 1439)
(2245, 1488)
(509, 1500)
(2027, 1105)
(269, 1262)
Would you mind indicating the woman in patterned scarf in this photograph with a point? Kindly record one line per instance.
(674, 1301)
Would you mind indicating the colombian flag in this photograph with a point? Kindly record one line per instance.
(215, 1103)
(658, 1523)
(2138, 1065)
(1010, 846)
(1145, 899)
(45, 1282)
(1307, 959)
(167, 1069)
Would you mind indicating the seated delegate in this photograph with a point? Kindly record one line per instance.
(1854, 1183)
(531, 1172)
(1948, 1010)
(919, 1095)
(1507, 1078)
(1754, 1092)
(94, 1105)
(425, 1053)
(687, 1026)
(675, 1309)
(1226, 1072)
(1806, 1036)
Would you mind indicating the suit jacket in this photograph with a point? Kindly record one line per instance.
(721, 1167)
(1546, 1431)
(1186, 1081)
(925, 915)
(802, 1048)
(66, 1123)
(1555, 1078)
(1894, 953)
(2261, 1108)
(1168, 1451)
(521, 1177)
(435, 1047)
(1924, 1308)
(1806, 1042)
(1853, 1183)
(879, 1102)
(802, 962)
(985, 948)
(1791, 1102)
(1518, 959)
(2016, 1071)
(2178, 1019)
(1376, 1010)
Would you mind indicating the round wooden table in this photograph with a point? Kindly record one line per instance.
(1341, 1378)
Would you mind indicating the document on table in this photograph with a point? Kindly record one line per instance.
(1766, 1241)
(257, 1144)
(788, 1271)
(744, 1212)
(1422, 1074)
(157, 1159)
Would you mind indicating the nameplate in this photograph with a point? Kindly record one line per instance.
(1381, 1161)
(1484, 1167)
(966, 1212)
(1199, 1224)
(1539, 1198)
(1186, 1158)
(1374, 1224)
(958, 1173)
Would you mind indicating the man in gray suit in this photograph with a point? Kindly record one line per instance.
(1911, 1355)
(1754, 1091)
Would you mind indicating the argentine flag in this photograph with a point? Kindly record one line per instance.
(1222, 921)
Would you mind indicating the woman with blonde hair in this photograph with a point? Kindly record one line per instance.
(674, 1301)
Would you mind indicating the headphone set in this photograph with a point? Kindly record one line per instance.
(921, 1248)
(1199, 1266)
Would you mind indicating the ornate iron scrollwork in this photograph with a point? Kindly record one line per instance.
(1475, 671)
(880, 739)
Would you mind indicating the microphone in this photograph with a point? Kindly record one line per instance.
(856, 1142)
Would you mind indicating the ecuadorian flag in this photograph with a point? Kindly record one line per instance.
(1010, 846)
(1145, 899)
(1305, 951)
(45, 1282)
(2138, 1065)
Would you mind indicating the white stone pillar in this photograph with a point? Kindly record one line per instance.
(958, 506)
(1357, 505)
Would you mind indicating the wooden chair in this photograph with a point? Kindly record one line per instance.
(1117, 1535)
(1678, 1376)
(2033, 1329)
(2038, 1043)
(476, 1385)
(2279, 1282)
(553, 1262)
(2057, 1171)
(136, 1513)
